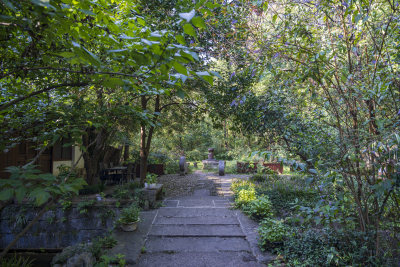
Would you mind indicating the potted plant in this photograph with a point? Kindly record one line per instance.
(151, 181)
(129, 218)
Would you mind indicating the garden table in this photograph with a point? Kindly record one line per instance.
(115, 174)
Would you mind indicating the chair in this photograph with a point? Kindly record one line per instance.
(129, 172)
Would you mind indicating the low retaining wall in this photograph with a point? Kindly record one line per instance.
(274, 166)
(57, 228)
(245, 167)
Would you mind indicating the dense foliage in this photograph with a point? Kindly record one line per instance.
(312, 84)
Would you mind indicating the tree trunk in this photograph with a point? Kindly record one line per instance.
(143, 153)
(145, 139)
(95, 153)
(126, 152)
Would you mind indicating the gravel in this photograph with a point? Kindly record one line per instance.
(176, 185)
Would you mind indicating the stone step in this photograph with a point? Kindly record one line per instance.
(196, 244)
(196, 203)
(197, 220)
(192, 197)
(195, 212)
(196, 230)
(192, 259)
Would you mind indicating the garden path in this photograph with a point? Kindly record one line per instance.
(202, 230)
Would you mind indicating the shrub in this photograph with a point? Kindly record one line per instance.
(258, 177)
(244, 192)
(245, 196)
(329, 248)
(238, 185)
(272, 233)
(172, 167)
(260, 208)
(157, 158)
(122, 192)
(284, 195)
(107, 241)
(268, 171)
(91, 189)
(134, 185)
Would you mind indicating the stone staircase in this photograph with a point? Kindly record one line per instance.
(198, 230)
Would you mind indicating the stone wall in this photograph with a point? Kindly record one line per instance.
(57, 228)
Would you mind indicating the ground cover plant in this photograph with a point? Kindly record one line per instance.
(293, 223)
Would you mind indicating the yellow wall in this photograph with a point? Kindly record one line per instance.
(76, 153)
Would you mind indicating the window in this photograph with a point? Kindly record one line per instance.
(62, 150)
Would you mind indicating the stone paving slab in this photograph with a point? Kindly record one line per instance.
(196, 244)
(196, 203)
(195, 212)
(130, 243)
(214, 259)
(171, 203)
(197, 230)
(197, 220)
(193, 197)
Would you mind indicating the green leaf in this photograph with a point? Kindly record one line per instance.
(66, 54)
(199, 22)
(113, 82)
(205, 76)
(43, 3)
(216, 74)
(8, 4)
(87, 12)
(189, 30)
(195, 56)
(180, 68)
(40, 195)
(187, 16)
(20, 193)
(180, 93)
(180, 39)
(6, 194)
(274, 18)
(92, 57)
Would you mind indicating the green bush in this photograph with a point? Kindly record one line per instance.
(157, 158)
(244, 192)
(134, 185)
(259, 208)
(238, 185)
(244, 197)
(91, 189)
(330, 248)
(283, 195)
(195, 155)
(172, 167)
(107, 241)
(258, 177)
(272, 233)
(122, 192)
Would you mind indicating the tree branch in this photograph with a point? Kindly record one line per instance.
(22, 98)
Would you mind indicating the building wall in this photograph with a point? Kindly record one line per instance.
(76, 155)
